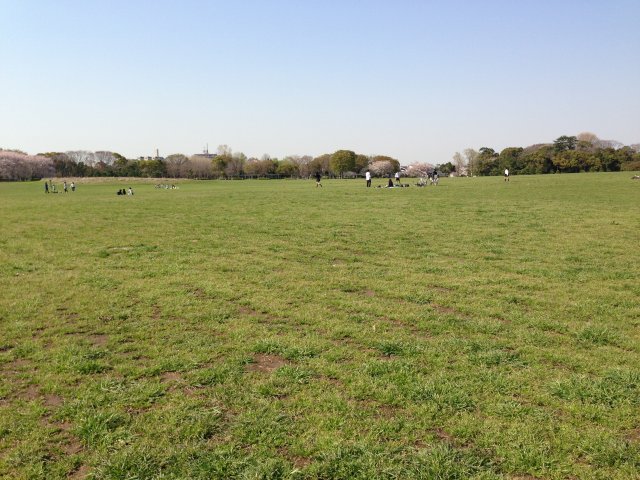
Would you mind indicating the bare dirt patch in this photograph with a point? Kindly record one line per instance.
(72, 447)
(248, 311)
(31, 393)
(297, 461)
(171, 377)
(443, 435)
(634, 435)
(198, 293)
(80, 474)
(266, 363)
(99, 340)
(440, 289)
(53, 401)
(18, 364)
(447, 310)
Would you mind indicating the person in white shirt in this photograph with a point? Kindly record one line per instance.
(367, 176)
(506, 174)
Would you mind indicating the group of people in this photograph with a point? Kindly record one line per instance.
(122, 191)
(50, 187)
(431, 178)
(166, 186)
(390, 183)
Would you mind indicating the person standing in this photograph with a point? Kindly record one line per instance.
(64, 187)
(506, 174)
(46, 187)
(73, 186)
(397, 177)
(367, 176)
(130, 191)
(318, 178)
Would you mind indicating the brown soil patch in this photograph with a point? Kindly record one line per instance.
(297, 461)
(502, 320)
(334, 381)
(64, 426)
(19, 364)
(198, 293)
(248, 311)
(99, 340)
(80, 474)
(171, 377)
(31, 393)
(634, 435)
(266, 363)
(369, 293)
(443, 435)
(386, 411)
(53, 400)
(420, 444)
(440, 289)
(72, 447)
(447, 310)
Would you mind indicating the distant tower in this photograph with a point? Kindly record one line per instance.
(157, 153)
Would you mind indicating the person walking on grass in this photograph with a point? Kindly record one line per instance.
(397, 177)
(506, 174)
(367, 176)
(46, 187)
(318, 178)
(64, 187)
(73, 186)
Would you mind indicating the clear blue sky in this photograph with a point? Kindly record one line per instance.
(417, 80)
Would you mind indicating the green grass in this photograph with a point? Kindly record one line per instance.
(271, 329)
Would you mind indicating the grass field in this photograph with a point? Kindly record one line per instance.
(271, 329)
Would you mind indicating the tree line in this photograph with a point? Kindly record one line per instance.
(567, 154)
(17, 165)
(582, 153)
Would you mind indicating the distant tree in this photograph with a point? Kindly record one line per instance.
(362, 163)
(382, 168)
(510, 158)
(200, 167)
(303, 165)
(82, 156)
(446, 168)
(471, 155)
(458, 163)
(384, 158)
(154, 168)
(537, 159)
(486, 162)
(104, 157)
(564, 143)
(287, 168)
(419, 169)
(20, 166)
(320, 164)
(177, 165)
(587, 141)
(261, 168)
(574, 161)
(235, 164)
(610, 144)
(342, 161)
